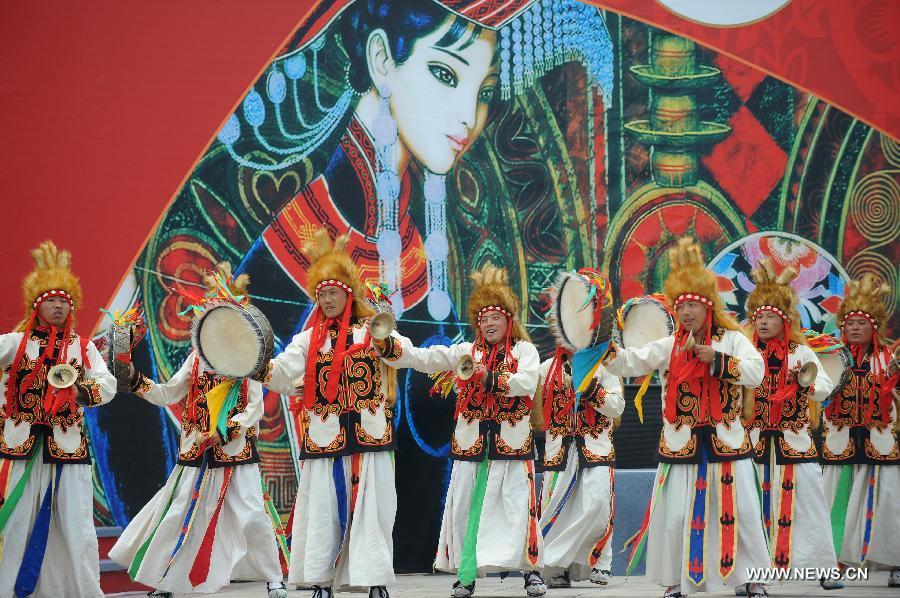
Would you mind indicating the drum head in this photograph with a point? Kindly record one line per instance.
(573, 319)
(837, 365)
(231, 341)
(646, 321)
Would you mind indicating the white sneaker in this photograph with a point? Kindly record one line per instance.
(600, 576)
(276, 590)
(461, 591)
(534, 584)
(756, 590)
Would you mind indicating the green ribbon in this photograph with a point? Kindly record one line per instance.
(9, 505)
(228, 404)
(642, 545)
(139, 555)
(839, 508)
(468, 566)
(275, 519)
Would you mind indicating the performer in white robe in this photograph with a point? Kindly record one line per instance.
(704, 522)
(347, 498)
(209, 524)
(860, 452)
(579, 462)
(490, 520)
(47, 536)
(779, 423)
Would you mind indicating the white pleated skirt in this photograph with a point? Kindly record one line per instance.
(71, 565)
(361, 556)
(582, 521)
(244, 546)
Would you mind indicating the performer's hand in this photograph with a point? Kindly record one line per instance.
(213, 438)
(705, 353)
(81, 395)
(480, 375)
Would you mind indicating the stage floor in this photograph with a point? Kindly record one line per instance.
(438, 586)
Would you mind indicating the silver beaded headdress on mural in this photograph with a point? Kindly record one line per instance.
(535, 36)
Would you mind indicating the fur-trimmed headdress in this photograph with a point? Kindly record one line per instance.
(52, 276)
(865, 297)
(774, 293)
(330, 262)
(690, 280)
(491, 290)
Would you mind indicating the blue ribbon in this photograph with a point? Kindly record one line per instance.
(698, 522)
(33, 559)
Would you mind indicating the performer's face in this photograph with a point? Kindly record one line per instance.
(440, 95)
(493, 327)
(53, 311)
(768, 325)
(332, 301)
(858, 330)
(692, 315)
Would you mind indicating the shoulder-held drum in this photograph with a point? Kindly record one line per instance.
(235, 341)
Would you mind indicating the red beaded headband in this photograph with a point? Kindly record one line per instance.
(865, 315)
(53, 293)
(488, 308)
(773, 309)
(693, 297)
(333, 283)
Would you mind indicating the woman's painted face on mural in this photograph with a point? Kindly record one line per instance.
(440, 95)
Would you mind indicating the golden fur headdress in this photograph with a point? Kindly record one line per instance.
(491, 288)
(866, 295)
(52, 272)
(775, 290)
(329, 261)
(689, 276)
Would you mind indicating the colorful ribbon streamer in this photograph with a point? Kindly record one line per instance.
(142, 551)
(468, 565)
(33, 559)
(839, 507)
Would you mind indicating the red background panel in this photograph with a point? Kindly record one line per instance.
(104, 107)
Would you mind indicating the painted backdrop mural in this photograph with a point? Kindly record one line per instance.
(537, 135)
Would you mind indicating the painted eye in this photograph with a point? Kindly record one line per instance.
(444, 75)
(486, 95)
